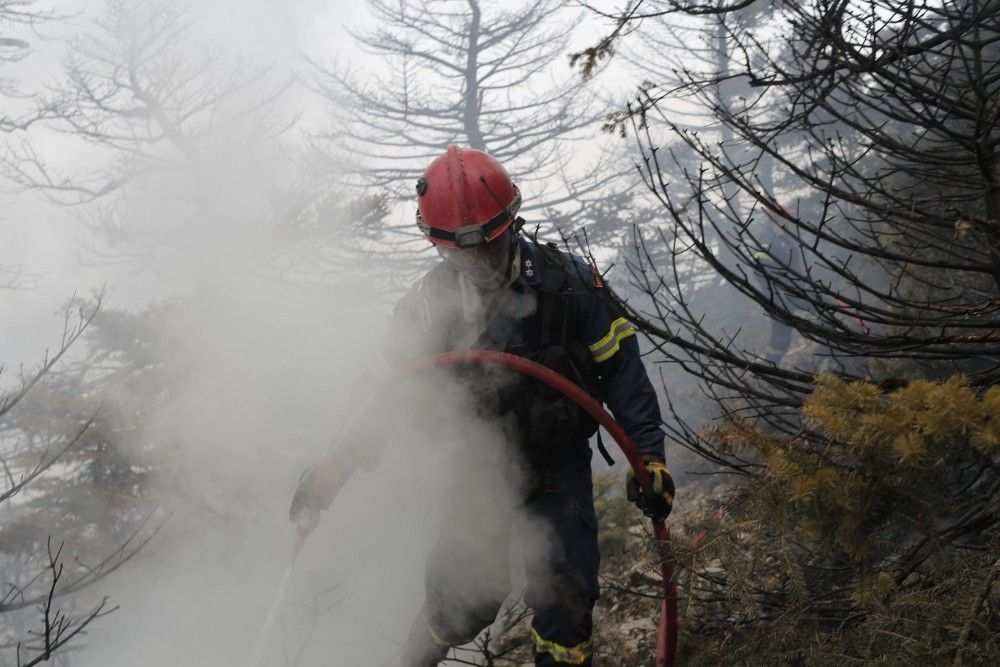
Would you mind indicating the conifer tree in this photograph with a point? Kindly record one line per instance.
(484, 75)
(868, 526)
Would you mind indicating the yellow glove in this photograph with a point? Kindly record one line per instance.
(659, 500)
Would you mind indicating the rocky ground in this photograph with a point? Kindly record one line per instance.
(626, 616)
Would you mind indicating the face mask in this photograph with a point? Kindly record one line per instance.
(485, 265)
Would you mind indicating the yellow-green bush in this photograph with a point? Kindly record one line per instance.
(871, 535)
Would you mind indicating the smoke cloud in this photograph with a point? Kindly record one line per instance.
(258, 370)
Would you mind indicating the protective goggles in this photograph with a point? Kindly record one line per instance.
(473, 235)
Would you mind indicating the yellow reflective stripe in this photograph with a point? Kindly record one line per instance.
(570, 655)
(437, 639)
(605, 348)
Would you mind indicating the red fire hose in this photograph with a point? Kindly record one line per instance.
(666, 642)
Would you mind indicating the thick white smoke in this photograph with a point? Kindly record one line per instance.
(273, 379)
(263, 370)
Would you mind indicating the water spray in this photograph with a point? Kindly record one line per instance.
(666, 643)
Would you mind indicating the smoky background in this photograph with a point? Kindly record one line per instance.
(206, 216)
(224, 279)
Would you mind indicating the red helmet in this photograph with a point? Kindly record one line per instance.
(465, 198)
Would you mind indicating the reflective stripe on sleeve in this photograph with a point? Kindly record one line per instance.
(569, 655)
(605, 348)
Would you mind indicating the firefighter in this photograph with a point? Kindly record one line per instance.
(496, 289)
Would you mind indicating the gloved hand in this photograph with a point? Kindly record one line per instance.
(659, 500)
(318, 485)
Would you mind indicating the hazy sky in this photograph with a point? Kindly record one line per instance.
(45, 241)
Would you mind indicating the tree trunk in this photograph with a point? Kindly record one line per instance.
(470, 113)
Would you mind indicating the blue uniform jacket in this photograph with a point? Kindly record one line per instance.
(434, 304)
